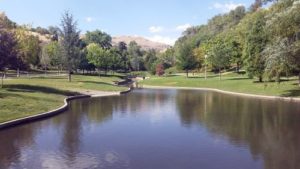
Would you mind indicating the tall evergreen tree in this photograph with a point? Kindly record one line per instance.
(70, 42)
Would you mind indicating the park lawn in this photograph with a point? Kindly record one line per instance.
(230, 82)
(29, 96)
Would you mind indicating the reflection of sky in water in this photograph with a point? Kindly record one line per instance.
(56, 160)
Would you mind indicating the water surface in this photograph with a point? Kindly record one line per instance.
(160, 129)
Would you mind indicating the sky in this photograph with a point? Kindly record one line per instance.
(157, 20)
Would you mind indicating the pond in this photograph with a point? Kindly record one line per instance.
(160, 129)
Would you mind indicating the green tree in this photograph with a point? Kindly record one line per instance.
(150, 59)
(236, 50)
(219, 54)
(55, 53)
(45, 58)
(70, 42)
(28, 48)
(122, 49)
(200, 53)
(136, 56)
(284, 36)
(98, 37)
(115, 59)
(168, 58)
(99, 57)
(185, 58)
(278, 59)
(255, 42)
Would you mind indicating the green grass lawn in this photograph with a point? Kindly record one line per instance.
(28, 96)
(230, 82)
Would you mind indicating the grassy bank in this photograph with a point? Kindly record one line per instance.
(230, 82)
(24, 97)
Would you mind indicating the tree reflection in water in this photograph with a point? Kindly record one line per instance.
(269, 127)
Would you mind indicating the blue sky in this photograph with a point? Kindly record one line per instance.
(157, 20)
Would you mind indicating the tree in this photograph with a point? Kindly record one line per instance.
(236, 51)
(278, 59)
(70, 42)
(54, 32)
(6, 23)
(98, 37)
(136, 56)
(98, 56)
(168, 58)
(45, 58)
(122, 49)
(285, 36)
(185, 58)
(255, 42)
(150, 59)
(200, 53)
(55, 53)
(219, 54)
(115, 59)
(28, 49)
(8, 45)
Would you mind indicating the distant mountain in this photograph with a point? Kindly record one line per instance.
(144, 43)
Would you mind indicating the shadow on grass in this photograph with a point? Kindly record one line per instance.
(170, 75)
(103, 75)
(291, 93)
(97, 83)
(203, 77)
(51, 77)
(41, 89)
(239, 78)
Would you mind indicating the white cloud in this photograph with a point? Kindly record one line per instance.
(89, 19)
(156, 29)
(183, 27)
(226, 7)
(162, 39)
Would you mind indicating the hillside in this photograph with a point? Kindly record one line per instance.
(144, 43)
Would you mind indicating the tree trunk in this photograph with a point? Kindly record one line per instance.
(278, 78)
(260, 78)
(220, 74)
(18, 72)
(70, 76)
(187, 73)
(2, 79)
(299, 78)
(237, 67)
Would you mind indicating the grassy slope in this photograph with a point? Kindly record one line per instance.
(24, 97)
(230, 82)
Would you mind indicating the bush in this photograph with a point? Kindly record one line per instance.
(171, 70)
(160, 70)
